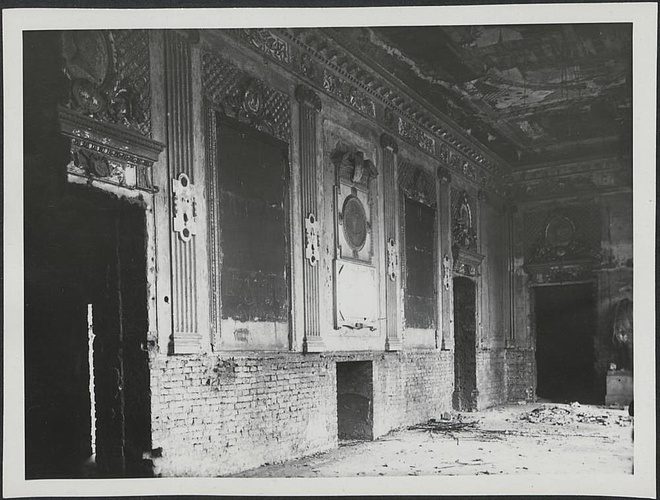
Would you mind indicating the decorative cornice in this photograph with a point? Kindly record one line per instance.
(117, 140)
(109, 153)
(325, 63)
(305, 95)
(387, 141)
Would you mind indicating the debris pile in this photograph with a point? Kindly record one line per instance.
(560, 415)
(447, 423)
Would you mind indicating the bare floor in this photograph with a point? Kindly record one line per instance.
(514, 439)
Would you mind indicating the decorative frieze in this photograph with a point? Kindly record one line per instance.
(409, 131)
(268, 43)
(322, 61)
(109, 153)
(246, 98)
(348, 93)
(330, 53)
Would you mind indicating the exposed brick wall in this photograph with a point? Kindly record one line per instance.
(218, 414)
(520, 369)
(491, 377)
(411, 387)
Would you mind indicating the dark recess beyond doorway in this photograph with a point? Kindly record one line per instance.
(565, 330)
(355, 400)
(85, 248)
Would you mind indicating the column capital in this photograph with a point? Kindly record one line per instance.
(306, 96)
(444, 175)
(387, 141)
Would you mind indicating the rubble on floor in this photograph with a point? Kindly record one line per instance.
(447, 423)
(573, 413)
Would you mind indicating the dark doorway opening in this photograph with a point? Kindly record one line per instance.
(565, 329)
(355, 400)
(85, 251)
(465, 338)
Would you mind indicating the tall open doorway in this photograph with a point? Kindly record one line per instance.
(85, 277)
(465, 337)
(565, 330)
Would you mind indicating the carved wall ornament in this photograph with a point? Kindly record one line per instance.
(348, 93)
(446, 272)
(97, 88)
(268, 43)
(462, 225)
(311, 239)
(307, 67)
(351, 164)
(392, 259)
(184, 207)
(246, 98)
(466, 261)
(353, 204)
(417, 183)
(560, 241)
(413, 133)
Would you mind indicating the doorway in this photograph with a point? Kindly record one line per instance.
(565, 330)
(355, 400)
(465, 343)
(85, 276)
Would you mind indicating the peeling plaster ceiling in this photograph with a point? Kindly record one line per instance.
(532, 94)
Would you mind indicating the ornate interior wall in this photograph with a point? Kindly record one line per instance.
(373, 205)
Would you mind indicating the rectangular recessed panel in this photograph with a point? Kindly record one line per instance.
(252, 224)
(420, 272)
(356, 295)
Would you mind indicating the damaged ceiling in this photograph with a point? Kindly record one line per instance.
(532, 94)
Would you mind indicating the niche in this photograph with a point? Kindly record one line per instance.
(355, 400)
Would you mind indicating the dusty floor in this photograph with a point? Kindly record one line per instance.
(515, 439)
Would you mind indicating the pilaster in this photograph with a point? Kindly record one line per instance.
(309, 108)
(393, 278)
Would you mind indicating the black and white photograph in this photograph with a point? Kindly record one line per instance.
(395, 250)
